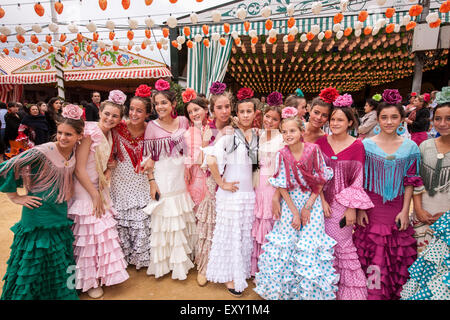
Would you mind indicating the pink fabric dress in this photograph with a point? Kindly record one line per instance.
(264, 192)
(173, 232)
(344, 191)
(99, 257)
(384, 251)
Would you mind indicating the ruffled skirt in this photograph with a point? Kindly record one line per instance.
(206, 222)
(385, 253)
(297, 264)
(173, 233)
(99, 257)
(41, 264)
(352, 281)
(230, 255)
(263, 223)
(430, 275)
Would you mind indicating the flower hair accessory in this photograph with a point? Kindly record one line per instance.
(275, 99)
(162, 85)
(143, 91)
(329, 94)
(72, 111)
(377, 97)
(188, 95)
(344, 100)
(217, 88)
(426, 97)
(299, 93)
(288, 112)
(413, 94)
(392, 96)
(245, 93)
(117, 96)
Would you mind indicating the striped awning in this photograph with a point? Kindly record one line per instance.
(8, 64)
(305, 24)
(35, 78)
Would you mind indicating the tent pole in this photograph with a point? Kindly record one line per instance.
(58, 57)
(419, 58)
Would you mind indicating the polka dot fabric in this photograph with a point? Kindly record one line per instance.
(297, 264)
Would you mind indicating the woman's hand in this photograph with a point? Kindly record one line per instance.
(350, 216)
(206, 134)
(154, 189)
(305, 216)
(296, 221)
(112, 164)
(108, 174)
(148, 166)
(404, 220)
(187, 175)
(229, 186)
(97, 203)
(436, 217)
(361, 218)
(30, 202)
(326, 209)
(424, 216)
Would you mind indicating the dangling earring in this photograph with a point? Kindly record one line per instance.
(400, 130)
(377, 129)
(174, 113)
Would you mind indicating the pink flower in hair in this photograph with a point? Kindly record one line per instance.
(72, 111)
(289, 112)
(117, 96)
(162, 85)
(344, 100)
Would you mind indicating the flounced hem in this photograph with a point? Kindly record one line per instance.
(39, 263)
(179, 269)
(263, 203)
(391, 252)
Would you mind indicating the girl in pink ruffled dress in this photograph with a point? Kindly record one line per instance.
(343, 195)
(99, 257)
(384, 237)
(270, 142)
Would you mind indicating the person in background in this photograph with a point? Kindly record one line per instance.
(369, 120)
(23, 110)
(54, 107)
(297, 101)
(419, 119)
(37, 126)
(42, 106)
(12, 123)
(91, 109)
(3, 112)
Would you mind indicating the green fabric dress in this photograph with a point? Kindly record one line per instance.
(41, 265)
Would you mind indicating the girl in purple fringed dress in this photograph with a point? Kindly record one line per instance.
(99, 257)
(270, 142)
(384, 236)
(344, 194)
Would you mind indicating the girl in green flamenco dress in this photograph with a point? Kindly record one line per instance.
(41, 260)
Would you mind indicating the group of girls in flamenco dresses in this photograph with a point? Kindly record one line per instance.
(39, 266)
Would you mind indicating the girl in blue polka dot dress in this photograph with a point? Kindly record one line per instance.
(297, 263)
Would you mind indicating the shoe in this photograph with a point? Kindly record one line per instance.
(234, 293)
(95, 293)
(201, 280)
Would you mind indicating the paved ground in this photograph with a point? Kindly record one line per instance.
(139, 286)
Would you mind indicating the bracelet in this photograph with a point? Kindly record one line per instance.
(152, 179)
(308, 207)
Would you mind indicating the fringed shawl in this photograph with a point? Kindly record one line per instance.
(311, 165)
(133, 146)
(43, 168)
(434, 170)
(386, 174)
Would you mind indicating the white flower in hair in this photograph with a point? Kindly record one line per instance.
(117, 97)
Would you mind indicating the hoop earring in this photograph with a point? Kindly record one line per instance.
(400, 130)
(377, 129)
(174, 113)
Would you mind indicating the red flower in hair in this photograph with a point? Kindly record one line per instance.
(143, 91)
(245, 93)
(329, 94)
(188, 95)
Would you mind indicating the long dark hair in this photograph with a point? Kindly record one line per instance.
(51, 111)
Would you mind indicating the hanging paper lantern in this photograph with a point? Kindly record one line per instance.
(62, 37)
(415, 10)
(133, 24)
(48, 38)
(381, 2)
(339, 34)
(432, 17)
(198, 38)
(72, 28)
(59, 7)
(357, 32)
(6, 51)
(362, 16)
(375, 31)
(343, 5)
(149, 22)
(290, 10)
(254, 40)
(269, 24)
(216, 16)
(338, 18)
(337, 27)
(76, 49)
(16, 50)
(63, 49)
(237, 41)
(435, 24)
(129, 47)
(266, 12)
(397, 28)
(390, 28)
(293, 30)
(91, 27)
(148, 33)
(367, 30)
(389, 13)
(272, 40)
(315, 29)
(34, 39)
(39, 48)
(103, 4)
(291, 22)
(181, 39)
(348, 31)
(194, 18)
(112, 34)
(39, 9)
(310, 36)
(173, 1)
(20, 38)
(411, 25)
(130, 34)
(174, 43)
(95, 36)
(445, 7)
(36, 28)
(246, 26)
(20, 30)
(206, 43)
(148, 2)
(110, 25)
(165, 32)
(215, 36)
(290, 37)
(80, 37)
(4, 38)
(226, 27)
(126, 4)
(222, 42)
(5, 30)
(115, 48)
(190, 44)
(2, 13)
(406, 19)
(252, 33)
(172, 22)
(53, 27)
(205, 29)
(88, 48)
(241, 13)
(316, 7)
